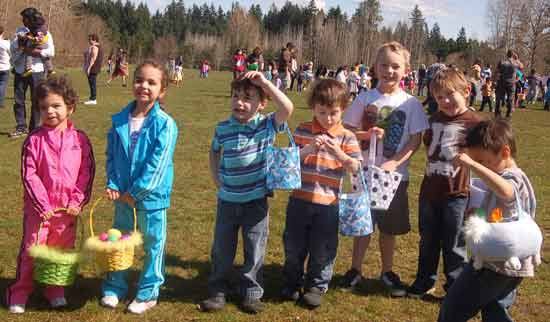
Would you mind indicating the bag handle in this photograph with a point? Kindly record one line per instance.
(363, 181)
(92, 214)
(372, 149)
(287, 131)
(55, 211)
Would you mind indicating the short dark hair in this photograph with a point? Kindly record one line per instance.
(29, 12)
(491, 135)
(245, 84)
(56, 85)
(1, 30)
(330, 93)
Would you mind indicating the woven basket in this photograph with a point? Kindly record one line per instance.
(54, 266)
(110, 257)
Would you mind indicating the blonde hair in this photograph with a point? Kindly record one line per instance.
(449, 79)
(397, 48)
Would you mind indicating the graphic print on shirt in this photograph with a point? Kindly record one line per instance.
(393, 132)
(444, 148)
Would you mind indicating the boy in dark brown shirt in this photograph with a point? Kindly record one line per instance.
(444, 191)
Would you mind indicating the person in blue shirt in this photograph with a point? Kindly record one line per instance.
(140, 149)
(237, 166)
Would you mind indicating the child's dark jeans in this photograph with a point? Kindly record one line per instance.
(440, 224)
(252, 217)
(310, 229)
(483, 290)
(486, 100)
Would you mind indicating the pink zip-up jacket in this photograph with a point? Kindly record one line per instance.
(57, 169)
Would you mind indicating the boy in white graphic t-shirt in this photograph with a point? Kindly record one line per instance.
(404, 121)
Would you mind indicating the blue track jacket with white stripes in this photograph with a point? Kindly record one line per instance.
(147, 174)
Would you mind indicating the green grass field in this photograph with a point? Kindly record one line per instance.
(197, 107)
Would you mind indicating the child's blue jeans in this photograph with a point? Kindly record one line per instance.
(252, 217)
(310, 229)
(440, 225)
(483, 290)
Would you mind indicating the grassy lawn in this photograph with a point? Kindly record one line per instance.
(197, 107)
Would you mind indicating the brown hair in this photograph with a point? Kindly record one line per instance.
(245, 84)
(397, 48)
(56, 85)
(449, 79)
(491, 135)
(93, 37)
(330, 93)
(157, 65)
(1, 30)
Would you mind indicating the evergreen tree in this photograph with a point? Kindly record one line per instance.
(367, 18)
(417, 35)
(461, 40)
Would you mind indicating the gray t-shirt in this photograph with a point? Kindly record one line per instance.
(528, 203)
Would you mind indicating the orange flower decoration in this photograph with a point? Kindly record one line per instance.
(495, 216)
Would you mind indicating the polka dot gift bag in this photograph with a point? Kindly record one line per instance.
(382, 184)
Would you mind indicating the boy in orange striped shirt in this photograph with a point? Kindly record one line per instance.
(328, 150)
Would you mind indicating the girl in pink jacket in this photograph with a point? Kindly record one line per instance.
(57, 170)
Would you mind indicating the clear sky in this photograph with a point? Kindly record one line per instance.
(450, 14)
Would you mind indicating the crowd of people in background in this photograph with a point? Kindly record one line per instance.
(487, 87)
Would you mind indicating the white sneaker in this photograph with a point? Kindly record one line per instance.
(58, 302)
(17, 308)
(109, 301)
(137, 307)
(90, 102)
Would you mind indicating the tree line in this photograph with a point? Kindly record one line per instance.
(332, 38)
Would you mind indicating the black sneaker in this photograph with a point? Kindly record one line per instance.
(312, 298)
(253, 306)
(214, 303)
(352, 278)
(416, 292)
(288, 294)
(18, 133)
(393, 284)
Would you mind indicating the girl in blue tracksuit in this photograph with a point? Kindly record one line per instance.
(140, 149)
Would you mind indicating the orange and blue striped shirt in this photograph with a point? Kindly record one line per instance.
(321, 171)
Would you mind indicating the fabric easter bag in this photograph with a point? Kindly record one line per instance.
(354, 211)
(382, 184)
(520, 238)
(283, 165)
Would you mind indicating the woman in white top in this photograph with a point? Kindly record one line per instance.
(4, 65)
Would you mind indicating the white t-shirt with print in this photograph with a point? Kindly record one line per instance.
(404, 117)
(136, 123)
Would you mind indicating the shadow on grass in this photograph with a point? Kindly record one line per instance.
(195, 289)
(78, 294)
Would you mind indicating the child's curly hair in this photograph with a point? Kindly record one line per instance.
(56, 85)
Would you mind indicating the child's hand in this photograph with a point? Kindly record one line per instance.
(128, 199)
(333, 148)
(365, 135)
(73, 211)
(47, 215)
(462, 159)
(256, 78)
(390, 165)
(112, 194)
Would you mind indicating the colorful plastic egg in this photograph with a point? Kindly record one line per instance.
(496, 215)
(124, 237)
(480, 212)
(114, 234)
(103, 237)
